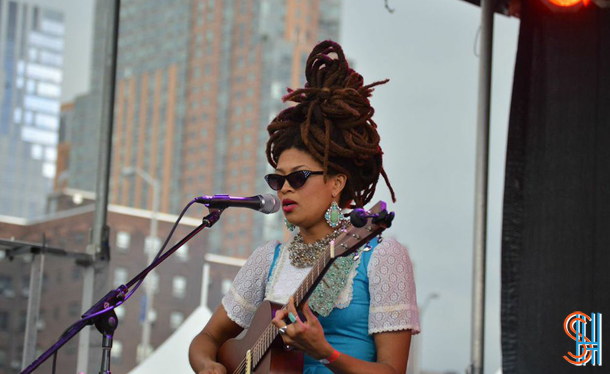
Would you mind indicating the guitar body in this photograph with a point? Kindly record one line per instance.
(276, 360)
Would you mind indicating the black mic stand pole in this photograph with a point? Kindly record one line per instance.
(102, 313)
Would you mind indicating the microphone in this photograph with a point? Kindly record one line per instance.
(266, 203)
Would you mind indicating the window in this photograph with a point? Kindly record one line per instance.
(30, 86)
(40, 324)
(4, 321)
(176, 319)
(152, 316)
(120, 312)
(123, 239)
(6, 285)
(226, 286)
(76, 273)
(182, 253)
(25, 286)
(17, 115)
(179, 287)
(153, 279)
(120, 276)
(152, 244)
(117, 350)
(22, 320)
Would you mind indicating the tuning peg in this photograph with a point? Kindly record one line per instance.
(358, 217)
(384, 216)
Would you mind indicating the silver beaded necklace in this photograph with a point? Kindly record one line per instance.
(304, 255)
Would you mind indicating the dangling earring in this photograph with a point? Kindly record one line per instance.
(289, 225)
(333, 215)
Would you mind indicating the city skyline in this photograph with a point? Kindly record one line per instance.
(193, 99)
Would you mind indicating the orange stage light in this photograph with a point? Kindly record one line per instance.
(564, 6)
(565, 3)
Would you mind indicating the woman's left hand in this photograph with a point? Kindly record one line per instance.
(306, 336)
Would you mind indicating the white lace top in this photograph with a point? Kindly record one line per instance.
(393, 301)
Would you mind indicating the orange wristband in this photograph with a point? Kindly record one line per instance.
(332, 358)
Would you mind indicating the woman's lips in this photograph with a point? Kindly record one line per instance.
(288, 205)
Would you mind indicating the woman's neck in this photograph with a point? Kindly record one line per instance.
(315, 232)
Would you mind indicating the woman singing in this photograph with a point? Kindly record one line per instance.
(326, 155)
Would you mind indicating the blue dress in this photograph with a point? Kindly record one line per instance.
(382, 299)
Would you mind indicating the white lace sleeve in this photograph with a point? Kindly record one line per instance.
(392, 289)
(248, 288)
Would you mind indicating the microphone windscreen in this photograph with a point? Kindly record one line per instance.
(271, 203)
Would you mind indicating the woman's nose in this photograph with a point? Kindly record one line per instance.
(286, 188)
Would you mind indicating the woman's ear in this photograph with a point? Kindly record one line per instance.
(339, 184)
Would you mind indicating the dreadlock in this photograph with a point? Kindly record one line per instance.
(332, 121)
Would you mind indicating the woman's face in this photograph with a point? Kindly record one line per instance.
(305, 206)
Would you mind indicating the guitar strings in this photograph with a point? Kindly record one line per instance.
(268, 336)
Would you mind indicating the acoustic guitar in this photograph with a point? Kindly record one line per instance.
(260, 349)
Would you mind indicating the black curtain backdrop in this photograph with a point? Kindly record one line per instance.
(556, 224)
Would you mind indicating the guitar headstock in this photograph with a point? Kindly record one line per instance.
(377, 220)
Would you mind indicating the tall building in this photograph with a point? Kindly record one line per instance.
(195, 96)
(150, 100)
(31, 53)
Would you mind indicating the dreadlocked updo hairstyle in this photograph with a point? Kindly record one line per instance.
(332, 121)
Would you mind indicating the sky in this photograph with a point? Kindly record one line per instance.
(427, 120)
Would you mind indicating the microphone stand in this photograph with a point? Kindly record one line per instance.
(102, 313)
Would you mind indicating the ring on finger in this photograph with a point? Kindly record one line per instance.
(283, 330)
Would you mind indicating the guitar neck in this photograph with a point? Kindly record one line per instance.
(307, 286)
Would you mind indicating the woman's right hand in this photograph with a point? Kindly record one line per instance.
(213, 368)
